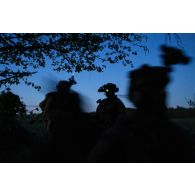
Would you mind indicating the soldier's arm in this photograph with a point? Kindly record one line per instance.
(48, 104)
(44, 103)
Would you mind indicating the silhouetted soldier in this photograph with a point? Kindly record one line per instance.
(59, 105)
(109, 109)
(148, 136)
(62, 112)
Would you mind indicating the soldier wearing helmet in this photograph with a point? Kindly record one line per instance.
(63, 103)
(111, 108)
(61, 110)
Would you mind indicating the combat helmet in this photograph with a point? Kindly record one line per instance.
(109, 87)
(64, 84)
(157, 77)
(172, 56)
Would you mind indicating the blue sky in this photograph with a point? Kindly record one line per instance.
(181, 87)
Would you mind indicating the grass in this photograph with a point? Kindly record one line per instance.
(186, 123)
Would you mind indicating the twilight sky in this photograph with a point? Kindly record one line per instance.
(181, 87)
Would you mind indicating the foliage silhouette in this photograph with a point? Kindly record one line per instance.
(21, 54)
(11, 105)
(191, 103)
(15, 141)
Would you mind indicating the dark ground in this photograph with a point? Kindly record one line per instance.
(39, 137)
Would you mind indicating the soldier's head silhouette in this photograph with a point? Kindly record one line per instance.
(173, 56)
(147, 87)
(64, 86)
(109, 89)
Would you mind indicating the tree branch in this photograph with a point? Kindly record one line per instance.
(16, 75)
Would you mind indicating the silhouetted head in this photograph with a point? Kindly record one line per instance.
(109, 89)
(172, 56)
(147, 87)
(63, 86)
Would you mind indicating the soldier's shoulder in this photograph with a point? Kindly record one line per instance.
(74, 96)
(51, 94)
(73, 93)
(120, 102)
(104, 101)
(99, 101)
(118, 99)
